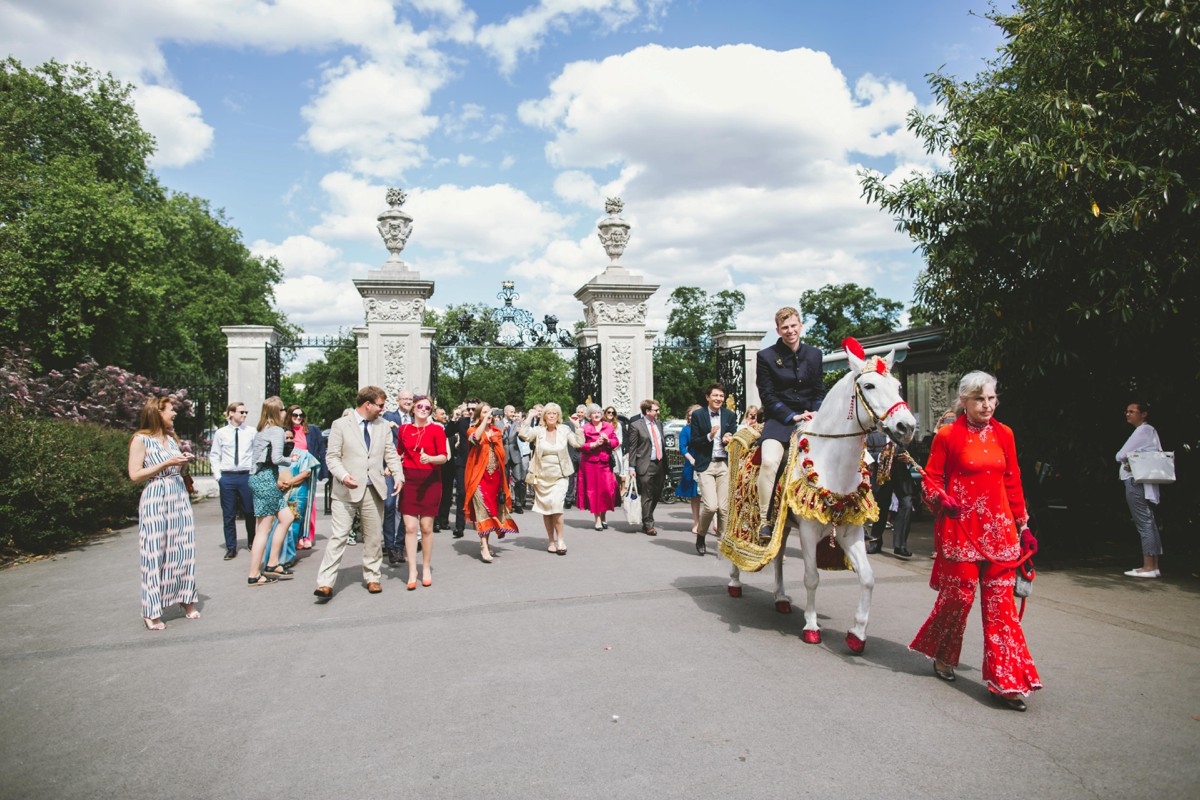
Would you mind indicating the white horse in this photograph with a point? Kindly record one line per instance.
(826, 487)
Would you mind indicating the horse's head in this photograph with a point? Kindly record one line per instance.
(878, 392)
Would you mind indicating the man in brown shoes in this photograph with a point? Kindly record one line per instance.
(360, 444)
(647, 460)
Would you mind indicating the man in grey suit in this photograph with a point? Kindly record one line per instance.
(647, 461)
(360, 443)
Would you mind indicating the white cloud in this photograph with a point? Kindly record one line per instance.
(299, 255)
(318, 305)
(741, 169)
(180, 133)
(506, 42)
(483, 223)
(353, 205)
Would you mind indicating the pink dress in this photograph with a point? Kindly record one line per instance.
(597, 486)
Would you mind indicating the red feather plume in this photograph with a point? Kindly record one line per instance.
(851, 345)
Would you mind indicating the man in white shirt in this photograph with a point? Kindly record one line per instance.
(231, 457)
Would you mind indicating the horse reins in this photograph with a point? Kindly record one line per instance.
(876, 419)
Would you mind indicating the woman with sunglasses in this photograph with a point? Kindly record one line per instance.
(308, 438)
(423, 446)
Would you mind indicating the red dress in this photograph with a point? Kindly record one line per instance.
(422, 492)
(488, 501)
(597, 485)
(977, 466)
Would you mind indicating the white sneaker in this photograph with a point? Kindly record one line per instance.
(1137, 573)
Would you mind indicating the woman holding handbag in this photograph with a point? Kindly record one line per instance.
(1141, 497)
(973, 483)
(596, 484)
(549, 469)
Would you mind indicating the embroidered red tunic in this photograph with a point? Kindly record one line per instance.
(978, 468)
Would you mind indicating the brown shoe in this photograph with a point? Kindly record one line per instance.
(323, 594)
(374, 588)
(651, 531)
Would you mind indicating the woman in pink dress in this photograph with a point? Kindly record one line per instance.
(974, 484)
(424, 450)
(597, 485)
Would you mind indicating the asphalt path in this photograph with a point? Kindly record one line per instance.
(620, 670)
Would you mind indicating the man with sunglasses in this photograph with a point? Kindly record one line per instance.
(231, 457)
(360, 445)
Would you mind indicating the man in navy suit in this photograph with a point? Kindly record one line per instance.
(711, 429)
(393, 526)
(647, 461)
(791, 385)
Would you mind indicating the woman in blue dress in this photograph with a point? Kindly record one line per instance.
(301, 481)
(687, 488)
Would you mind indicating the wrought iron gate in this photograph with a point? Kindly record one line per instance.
(588, 386)
(276, 359)
(731, 371)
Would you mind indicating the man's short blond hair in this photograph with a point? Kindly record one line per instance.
(784, 314)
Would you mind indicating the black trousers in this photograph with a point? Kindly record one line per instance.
(460, 488)
(650, 486)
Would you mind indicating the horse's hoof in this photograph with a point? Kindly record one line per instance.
(734, 591)
(811, 637)
(783, 606)
(855, 644)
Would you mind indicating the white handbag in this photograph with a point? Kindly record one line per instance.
(1152, 466)
(631, 504)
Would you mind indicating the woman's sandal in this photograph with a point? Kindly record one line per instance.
(562, 550)
(279, 572)
(553, 548)
(411, 585)
(263, 579)
(193, 614)
(151, 625)
(485, 554)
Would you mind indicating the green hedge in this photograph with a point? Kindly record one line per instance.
(61, 481)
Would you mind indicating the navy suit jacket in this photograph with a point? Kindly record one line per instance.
(788, 384)
(699, 445)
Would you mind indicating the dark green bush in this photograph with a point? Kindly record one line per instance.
(61, 481)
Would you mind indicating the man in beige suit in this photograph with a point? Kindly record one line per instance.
(360, 443)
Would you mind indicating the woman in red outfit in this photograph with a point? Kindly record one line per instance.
(423, 448)
(488, 501)
(973, 482)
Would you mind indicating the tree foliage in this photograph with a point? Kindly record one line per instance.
(472, 364)
(330, 384)
(96, 258)
(1061, 242)
(836, 311)
(686, 362)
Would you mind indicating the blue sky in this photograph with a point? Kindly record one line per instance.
(731, 130)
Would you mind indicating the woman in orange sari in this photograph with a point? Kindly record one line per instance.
(486, 482)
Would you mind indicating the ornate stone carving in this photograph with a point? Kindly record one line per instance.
(601, 311)
(395, 225)
(614, 231)
(622, 374)
(394, 310)
(395, 370)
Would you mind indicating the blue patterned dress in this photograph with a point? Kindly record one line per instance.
(166, 534)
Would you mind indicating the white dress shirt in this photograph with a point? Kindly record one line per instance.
(222, 457)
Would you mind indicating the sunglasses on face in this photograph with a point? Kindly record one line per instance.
(426, 408)
(297, 415)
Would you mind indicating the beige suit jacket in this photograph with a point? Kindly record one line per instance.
(347, 455)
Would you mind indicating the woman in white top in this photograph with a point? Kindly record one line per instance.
(1141, 497)
(549, 468)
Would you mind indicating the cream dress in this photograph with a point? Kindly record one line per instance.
(549, 467)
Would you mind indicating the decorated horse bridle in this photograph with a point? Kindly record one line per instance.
(876, 418)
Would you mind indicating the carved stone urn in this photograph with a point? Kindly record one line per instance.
(614, 231)
(395, 226)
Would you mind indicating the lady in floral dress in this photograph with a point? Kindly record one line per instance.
(166, 528)
(973, 482)
(485, 480)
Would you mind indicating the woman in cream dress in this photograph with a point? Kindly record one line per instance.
(549, 468)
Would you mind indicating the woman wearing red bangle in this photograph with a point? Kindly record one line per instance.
(974, 483)
(423, 447)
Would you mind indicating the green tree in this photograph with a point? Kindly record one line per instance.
(330, 384)
(1061, 242)
(96, 259)
(686, 362)
(836, 311)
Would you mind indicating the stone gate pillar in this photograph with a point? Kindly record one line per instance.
(394, 304)
(752, 341)
(246, 371)
(614, 309)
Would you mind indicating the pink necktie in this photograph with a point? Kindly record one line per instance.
(654, 438)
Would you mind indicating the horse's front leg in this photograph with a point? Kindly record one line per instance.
(851, 538)
(735, 581)
(810, 535)
(783, 603)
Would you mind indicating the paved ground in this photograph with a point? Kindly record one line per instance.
(621, 670)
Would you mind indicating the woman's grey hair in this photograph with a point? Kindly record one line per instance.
(972, 384)
(594, 409)
(552, 408)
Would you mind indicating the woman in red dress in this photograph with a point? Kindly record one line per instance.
(485, 481)
(597, 489)
(424, 450)
(974, 484)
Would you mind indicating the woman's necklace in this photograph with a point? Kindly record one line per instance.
(420, 437)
